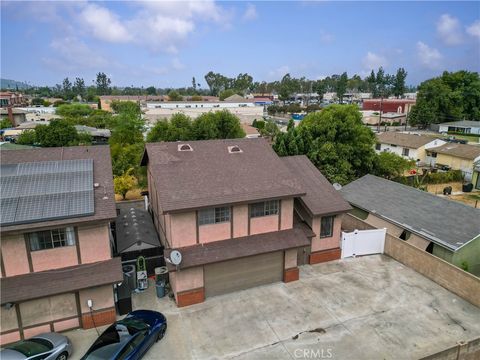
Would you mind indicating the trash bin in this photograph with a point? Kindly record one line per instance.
(130, 276)
(160, 288)
(161, 273)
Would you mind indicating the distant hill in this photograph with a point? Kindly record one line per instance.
(6, 84)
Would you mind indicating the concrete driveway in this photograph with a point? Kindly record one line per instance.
(365, 308)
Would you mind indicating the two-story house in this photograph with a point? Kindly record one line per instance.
(228, 207)
(56, 262)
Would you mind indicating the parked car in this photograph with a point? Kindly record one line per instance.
(48, 346)
(129, 338)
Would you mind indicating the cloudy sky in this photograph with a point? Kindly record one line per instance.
(166, 43)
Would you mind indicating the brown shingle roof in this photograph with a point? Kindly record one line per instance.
(46, 283)
(102, 174)
(210, 175)
(223, 250)
(407, 140)
(321, 197)
(464, 151)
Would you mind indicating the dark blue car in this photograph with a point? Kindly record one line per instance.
(129, 338)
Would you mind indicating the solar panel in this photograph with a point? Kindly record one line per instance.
(40, 191)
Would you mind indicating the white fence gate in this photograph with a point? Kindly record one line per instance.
(363, 242)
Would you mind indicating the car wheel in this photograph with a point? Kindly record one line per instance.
(161, 333)
(62, 356)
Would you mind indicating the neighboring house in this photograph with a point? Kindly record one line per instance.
(456, 156)
(99, 136)
(476, 176)
(228, 207)
(401, 106)
(409, 146)
(370, 117)
(56, 209)
(463, 126)
(8, 98)
(442, 227)
(15, 115)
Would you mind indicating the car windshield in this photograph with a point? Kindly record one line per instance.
(115, 338)
(32, 347)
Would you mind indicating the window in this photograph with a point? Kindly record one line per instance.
(405, 152)
(378, 146)
(326, 226)
(264, 208)
(214, 215)
(50, 239)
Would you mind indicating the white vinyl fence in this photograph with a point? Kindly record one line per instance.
(363, 242)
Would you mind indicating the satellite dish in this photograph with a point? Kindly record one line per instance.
(337, 186)
(175, 257)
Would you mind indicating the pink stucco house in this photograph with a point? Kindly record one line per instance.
(56, 209)
(240, 215)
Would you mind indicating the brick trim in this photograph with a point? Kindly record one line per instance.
(190, 297)
(98, 318)
(292, 274)
(325, 255)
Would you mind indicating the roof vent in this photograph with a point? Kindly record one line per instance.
(234, 149)
(184, 147)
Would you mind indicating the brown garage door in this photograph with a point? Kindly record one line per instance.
(244, 273)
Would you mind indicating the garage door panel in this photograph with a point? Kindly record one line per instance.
(244, 273)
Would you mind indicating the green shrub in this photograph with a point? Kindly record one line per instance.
(444, 177)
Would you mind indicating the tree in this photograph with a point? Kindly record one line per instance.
(194, 84)
(127, 129)
(217, 82)
(335, 140)
(124, 183)
(130, 107)
(228, 125)
(174, 96)
(243, 82)
(73, 110)
(399, 83)
(5, 123)
(287, 87)
(270, 130)
(67, 88)
(451, 97)
(341, 86)
(27, 137)
(79, 87)
(37, 101)
(151, 90)
(227, 93)
(103, 83)
(205, 127)
(58, 133)
(390, 165)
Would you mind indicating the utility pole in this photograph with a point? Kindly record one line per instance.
(380, 117)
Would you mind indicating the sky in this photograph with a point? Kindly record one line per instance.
(165, 44)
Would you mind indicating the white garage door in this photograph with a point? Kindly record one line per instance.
(244, 273)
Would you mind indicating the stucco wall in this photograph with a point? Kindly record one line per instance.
(187, 279)
(331, 242)
(14, 255)
(214, 232)
(8, 319)
(263, 224)
(291, 258)
(380, 223)
(54, 258)
(240, 220)
(94, 243)
(102, 297)
(183, 229)
(48, 309)
(286, 214)
(470, 254)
